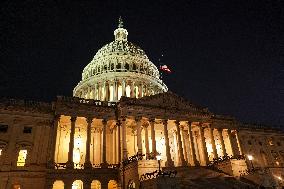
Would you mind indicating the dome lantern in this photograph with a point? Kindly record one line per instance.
(120, 33)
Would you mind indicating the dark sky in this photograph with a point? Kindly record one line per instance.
(225, 55)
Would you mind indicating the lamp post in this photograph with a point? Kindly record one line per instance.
(250, 159)
(159, 157)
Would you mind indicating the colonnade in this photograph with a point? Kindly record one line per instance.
(113, 90)
(192, 141)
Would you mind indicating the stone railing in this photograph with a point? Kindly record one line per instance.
(157, 174)
(132, 159)
(66, 99)
(26, 104)
(81, 166)
(224, 158)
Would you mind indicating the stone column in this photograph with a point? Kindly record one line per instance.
(89, 92)
(222, 141)
(70, 163)
(99, 91)
(132, 90)
(194, 161)
(180, 150)
(139, 140)
(114, 149)
(140, 90)
(118, 124)
(169, 162)
(152, 123)
(124, 144)
(96, 92)
(215, 154)
(115, 96)
(203, 145)
(146, 141)
(104, 164)
(230, 141)
(88, 164)
(184, 143)
(239, 143)
(106, 91)
(123, 86)
(52, 138)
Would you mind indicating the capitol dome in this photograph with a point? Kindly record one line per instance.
(119, 68)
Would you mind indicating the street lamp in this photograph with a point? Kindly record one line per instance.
(250, 159)
(159, 157)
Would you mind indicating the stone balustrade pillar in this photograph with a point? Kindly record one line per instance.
(88, 164)
(180, 150)
(169, 162)
(70, 163)
(203, 145)
(222, 141)
(211, 134)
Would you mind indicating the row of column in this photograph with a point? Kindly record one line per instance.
(119, 138)
(102, 91)
(87, 164)
(182, 151)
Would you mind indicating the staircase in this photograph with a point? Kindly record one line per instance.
(204, 178)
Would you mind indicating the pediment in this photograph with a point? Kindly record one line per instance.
(167, 100)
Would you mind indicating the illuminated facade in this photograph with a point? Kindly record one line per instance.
(121, 108)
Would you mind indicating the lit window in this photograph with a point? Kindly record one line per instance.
(16, 186)
(22, 158)
(0, 152)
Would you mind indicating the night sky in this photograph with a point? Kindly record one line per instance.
(225, 55)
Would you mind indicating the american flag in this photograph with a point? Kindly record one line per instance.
(165, 69)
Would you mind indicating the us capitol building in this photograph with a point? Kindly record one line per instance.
(123, 129)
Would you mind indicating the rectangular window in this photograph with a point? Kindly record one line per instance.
(27, 130)
(22, 158)
(3, 128)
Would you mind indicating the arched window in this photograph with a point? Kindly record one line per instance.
(96, 184)
(16, 186)
(105, 68)
(22, 157)
(112, 184)
(134, 67)
(58, 184)
(77, 184)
